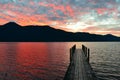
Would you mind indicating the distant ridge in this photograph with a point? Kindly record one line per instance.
(12, 32)
(11, 24)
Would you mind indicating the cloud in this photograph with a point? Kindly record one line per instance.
(114, 29)
(77, 15)
(91, 29)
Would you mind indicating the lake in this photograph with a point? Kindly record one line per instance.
(49, 60)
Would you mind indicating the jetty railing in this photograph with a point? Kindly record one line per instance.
(69, 72)
(86, 52)
(72, 51)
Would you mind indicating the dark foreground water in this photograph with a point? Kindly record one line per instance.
(49, 61)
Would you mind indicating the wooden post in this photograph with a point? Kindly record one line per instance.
(82, 47)
(72, 51)
(88, 55)
(86, 51)
(70, 55)
(74, 47)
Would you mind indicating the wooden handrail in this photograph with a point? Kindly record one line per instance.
(86, 52)
(72, 51)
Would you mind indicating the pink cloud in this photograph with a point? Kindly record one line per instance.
(67, 10)
(91, 29)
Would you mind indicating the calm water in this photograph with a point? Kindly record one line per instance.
(49, 61)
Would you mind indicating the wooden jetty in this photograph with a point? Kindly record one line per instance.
(79, 67)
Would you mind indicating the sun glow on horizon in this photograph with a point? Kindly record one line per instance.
(76, 27)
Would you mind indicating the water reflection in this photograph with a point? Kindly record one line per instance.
(49, 61)
(105, 59)
(31, 61)
(8, 59)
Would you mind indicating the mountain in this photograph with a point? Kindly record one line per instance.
(12, 32)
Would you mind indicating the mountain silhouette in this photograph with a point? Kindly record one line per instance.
(12, 32)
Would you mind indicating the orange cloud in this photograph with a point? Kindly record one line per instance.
(101, 10)
(3, 21)
(65, 9)
(91, 29)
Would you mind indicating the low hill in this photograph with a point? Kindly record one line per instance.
(12, 32)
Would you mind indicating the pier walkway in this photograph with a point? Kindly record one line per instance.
(79, 67)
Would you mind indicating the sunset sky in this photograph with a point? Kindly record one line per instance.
(94, 16)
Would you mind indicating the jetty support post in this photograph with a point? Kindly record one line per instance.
(86, 52)
(88, 55)
(72, 51)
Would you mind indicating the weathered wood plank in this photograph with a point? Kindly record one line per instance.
(80, 69)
